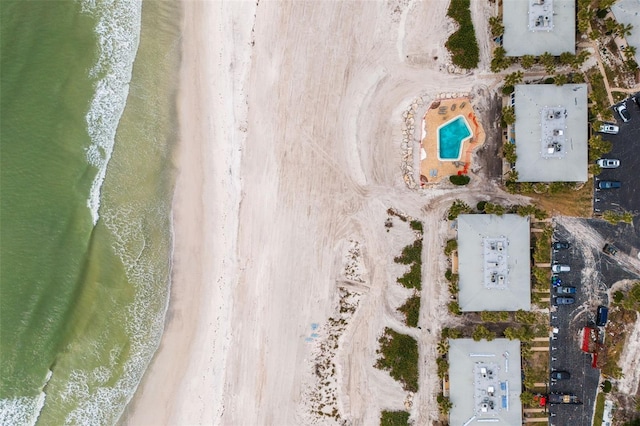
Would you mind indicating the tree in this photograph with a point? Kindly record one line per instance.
(509, 152)
(567, 58)
(508, 115)
(495, 24)
(444, 404)
(527, 61)
(514, 78)
(561, 79)
(482, 332)
(458, 207)
(500, 61)
(443, 347)
(598, 147)
(454, 307)
(623, 30)
(549, 62)
(629, 52)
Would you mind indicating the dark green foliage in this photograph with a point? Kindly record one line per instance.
(509, 152)
(394, 418)
(495, 24)
(400, 358)
(494, 316)
(606, 386)
(462, 44)
(443, 367)
(412, 279)
(482, 332)
(416, 225)
(480, 206)
(525, 317)
(500, 61)
(411, 255)
(459, 179)
(507, 89)
(454, 307)
(444, 404)
(411, 311)
(618, 296)
(458, 207)
(450, 247)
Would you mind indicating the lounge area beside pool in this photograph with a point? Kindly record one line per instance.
(451, 132)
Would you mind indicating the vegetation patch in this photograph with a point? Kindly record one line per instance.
(615, 217)
(599, 413)
(411, 310)
(394, 418)
(400, 358)
(463, 44)
(542, 244)
(411, 255)
(459, 180)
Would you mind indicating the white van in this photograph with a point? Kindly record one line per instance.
(560, 268)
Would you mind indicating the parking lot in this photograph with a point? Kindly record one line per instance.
(592, 273)
(626, 148)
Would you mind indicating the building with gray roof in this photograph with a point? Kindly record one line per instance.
(493, 263)
(533, 27)
(484, 382)
(551, 132)
(628, 12)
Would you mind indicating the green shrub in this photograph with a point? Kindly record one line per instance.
(400, 358)
(450, 247)
(462, 44)
(411, 311)
(459, 179)
(416, 225)
(394, 418)
(606, 386)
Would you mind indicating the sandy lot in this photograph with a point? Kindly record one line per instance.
(291, 121)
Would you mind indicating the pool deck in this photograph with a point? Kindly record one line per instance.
(433, 170)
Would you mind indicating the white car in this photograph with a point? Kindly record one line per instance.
(624, 112)
(609, 128)
(608, 163)
(560, 268)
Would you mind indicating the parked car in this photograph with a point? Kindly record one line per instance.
(609, 184)
(560, 375)
(564, 300)
(561, 245)
(610, 249)
(609, 128)
(601, 316)
(608, 163)
(623, 111)
(560, 268)
(566, 290)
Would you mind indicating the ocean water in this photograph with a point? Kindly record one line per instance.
(87, 127)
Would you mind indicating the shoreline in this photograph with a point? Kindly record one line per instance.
(186, 374)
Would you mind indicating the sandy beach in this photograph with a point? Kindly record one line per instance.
(288, 160)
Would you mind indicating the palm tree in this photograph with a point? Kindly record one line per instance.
(443, 347)
(527, 61)
(549, 62)
(630, 52)
(624, 30)
(513, 78)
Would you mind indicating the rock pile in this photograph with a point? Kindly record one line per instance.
(408, 141)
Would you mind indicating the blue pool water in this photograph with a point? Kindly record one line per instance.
(451, 135)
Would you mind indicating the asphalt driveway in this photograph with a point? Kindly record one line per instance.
(626, 148)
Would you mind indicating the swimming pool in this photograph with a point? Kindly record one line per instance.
(451, 136)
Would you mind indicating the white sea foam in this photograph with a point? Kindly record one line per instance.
(23, 410)
(118, 33)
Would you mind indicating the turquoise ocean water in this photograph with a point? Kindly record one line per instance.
(86, 132)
